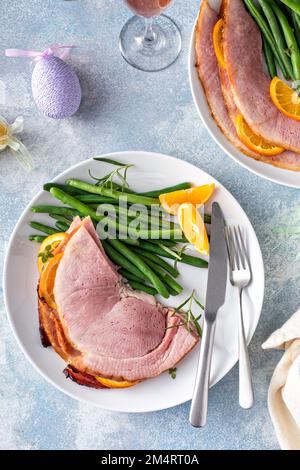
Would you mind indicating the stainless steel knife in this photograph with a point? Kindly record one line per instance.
(215, 297)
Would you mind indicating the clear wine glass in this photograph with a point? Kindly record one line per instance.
(150, 41)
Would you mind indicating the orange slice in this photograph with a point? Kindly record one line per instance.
(193, 227)
(114, 383)
(253, 141)
(218, 42)
(52, 241)
(196, 195)
(285, 98)
(47, 279)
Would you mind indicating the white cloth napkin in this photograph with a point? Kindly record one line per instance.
(284, 391)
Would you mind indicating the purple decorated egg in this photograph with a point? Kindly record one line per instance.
(55, 88)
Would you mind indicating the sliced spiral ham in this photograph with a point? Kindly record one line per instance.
(219, 93)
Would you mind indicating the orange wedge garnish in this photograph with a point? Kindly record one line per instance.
(52, 241)
(253, 141)
(218, 42)
(196, 195)
(285, 98)
(47, 279)
(114, 383)
(193, 227)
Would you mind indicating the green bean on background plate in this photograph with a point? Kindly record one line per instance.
(277, 35)
(263, 26)
(269, 58)
(290, 40)
(293, 5)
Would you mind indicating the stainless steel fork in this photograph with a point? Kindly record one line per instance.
(240, 277)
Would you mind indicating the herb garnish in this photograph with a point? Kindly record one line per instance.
(108, 180)
(188, 316)
(172, 372)
(45, 255)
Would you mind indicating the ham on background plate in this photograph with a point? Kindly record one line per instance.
(231, 91)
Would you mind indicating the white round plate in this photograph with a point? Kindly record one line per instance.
(150, 171)
(278, 175)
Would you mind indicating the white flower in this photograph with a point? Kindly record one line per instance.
(8, 139)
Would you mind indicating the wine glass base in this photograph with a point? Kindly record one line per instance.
(150, 56)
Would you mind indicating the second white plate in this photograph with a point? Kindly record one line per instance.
(278, 175)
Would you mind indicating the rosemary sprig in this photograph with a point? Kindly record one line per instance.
(46, 254)
(107, 181)
(180, 250)
(108, 160)
(188, 315)
(173, 252)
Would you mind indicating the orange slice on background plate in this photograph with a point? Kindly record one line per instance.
(196, 195)
(193, 227)
(47, 279)
(114, 383)
(253, 141)
(285, 98)
(52, 241)
(218, 42)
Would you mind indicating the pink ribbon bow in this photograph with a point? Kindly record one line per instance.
(60, 51)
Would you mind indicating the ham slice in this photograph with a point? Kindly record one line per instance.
(250, 85)
(219, 94)
(100, 326)
(287, 160)
(208, 72)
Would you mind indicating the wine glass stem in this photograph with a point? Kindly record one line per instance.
(150, 36)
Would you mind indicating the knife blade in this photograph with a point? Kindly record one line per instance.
(215, 298)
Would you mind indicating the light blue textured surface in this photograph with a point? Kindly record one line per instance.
(125, 109)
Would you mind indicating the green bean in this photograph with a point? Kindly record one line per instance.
(120, 260)
(46, 209)
(131, 198)
(128, 275)
(131, 241)
(61, 218)
(277, 35)
(207, 218)
(73, 202)
(142, 287)
(61, 226)
(43, 228)
(156, 259)
(36, 238)
(269, 58)
(293, 5)
(296, 23)
(95, 199)
(169, 189)
(186, 259)
(290, 40)
(141, 265)
(165, 277)
(255, 13)
(64, 187)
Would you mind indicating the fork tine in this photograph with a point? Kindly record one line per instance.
(228, 247)
(241, 264)
(231, 250)
(243, 249)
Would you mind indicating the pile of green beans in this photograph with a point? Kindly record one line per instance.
(279, 22)
(141, 260)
